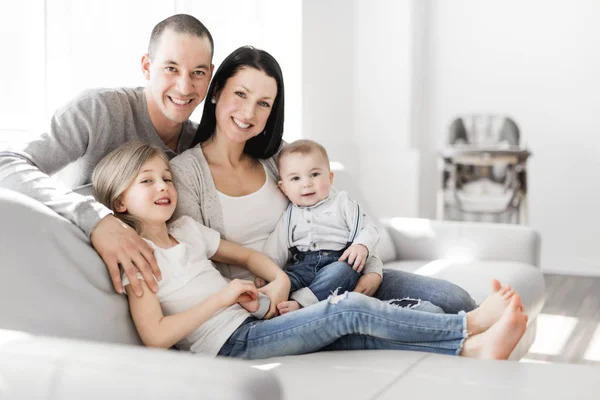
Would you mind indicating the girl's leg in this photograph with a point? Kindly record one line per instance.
(496, 341)
(313, 328)
(401, 284)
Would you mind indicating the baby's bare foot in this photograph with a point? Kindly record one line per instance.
(491, 310)
(288, 306)
(502, 337)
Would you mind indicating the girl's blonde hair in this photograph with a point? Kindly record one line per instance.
(117, 171)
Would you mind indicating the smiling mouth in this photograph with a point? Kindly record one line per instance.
(241, 124)
(180, 102)
(163, 202)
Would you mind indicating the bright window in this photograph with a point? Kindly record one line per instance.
(53, 49)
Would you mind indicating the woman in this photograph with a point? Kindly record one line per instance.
(228, 181)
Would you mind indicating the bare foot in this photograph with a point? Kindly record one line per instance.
(491, 310)
(500, 340)
(288, 306)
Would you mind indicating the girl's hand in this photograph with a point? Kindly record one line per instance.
(357, 256)
(278, 290)
(259, 282)
(238, 290)
(368, 284)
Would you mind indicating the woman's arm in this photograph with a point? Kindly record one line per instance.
(259, 264)
(157, 330)
(188, 181)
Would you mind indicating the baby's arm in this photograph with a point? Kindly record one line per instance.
(365, 238)
(156, 330)
(276, 246)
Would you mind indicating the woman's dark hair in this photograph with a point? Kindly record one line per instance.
(265, 144)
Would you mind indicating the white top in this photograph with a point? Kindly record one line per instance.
(248, 220)
(189, 277)
(326, 225)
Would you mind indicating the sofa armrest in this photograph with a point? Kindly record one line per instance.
(425, 239)
(53, 368)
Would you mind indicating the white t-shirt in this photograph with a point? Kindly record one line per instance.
(189, 277)
(249, 220)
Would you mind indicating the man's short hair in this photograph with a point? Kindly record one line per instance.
(179, 23)
(303, 146)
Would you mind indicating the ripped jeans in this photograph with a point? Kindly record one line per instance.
(350, 321)
(315, 275)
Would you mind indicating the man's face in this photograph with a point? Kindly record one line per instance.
(178, 77)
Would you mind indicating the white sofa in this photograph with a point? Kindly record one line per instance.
(63, 327)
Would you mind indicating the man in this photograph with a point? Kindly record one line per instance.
(178, 68)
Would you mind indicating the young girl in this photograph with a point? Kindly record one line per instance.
(198, 310)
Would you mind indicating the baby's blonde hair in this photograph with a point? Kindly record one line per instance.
(117, 171)
(303, 146)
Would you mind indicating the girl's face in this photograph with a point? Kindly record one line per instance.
(244, 105)
(151, 197)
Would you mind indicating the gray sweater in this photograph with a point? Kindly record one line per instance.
(81, 133)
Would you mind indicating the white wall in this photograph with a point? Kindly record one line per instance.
(357, 69)
(539, 62)
(383, 79)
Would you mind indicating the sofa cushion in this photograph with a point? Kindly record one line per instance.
(527, 280)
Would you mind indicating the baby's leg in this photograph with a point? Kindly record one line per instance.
(287, 306)
(338, 275)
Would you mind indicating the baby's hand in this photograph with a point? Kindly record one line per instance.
(356, 255)
(259, 282)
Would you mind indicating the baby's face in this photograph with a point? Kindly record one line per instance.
(305, 178)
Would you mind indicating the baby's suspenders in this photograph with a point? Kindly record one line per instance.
(357, 223)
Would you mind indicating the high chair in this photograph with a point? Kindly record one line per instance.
(483, 175)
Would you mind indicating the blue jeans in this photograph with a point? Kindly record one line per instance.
(322, 273)
(351, 321)
(449, 297)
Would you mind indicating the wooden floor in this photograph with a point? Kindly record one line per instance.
(569, 325)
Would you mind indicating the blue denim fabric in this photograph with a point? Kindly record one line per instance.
(351, 321)
(322, 273)
(449, 297)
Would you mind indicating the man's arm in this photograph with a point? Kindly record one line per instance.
(18, 173)
(27, 171)
(71, 133)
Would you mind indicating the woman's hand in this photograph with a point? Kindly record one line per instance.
(238, 290)
(368, 284)
(278, 290)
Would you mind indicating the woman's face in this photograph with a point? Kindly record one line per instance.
(244, 105)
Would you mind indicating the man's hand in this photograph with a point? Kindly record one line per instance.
(117, 243)
(278, 290)
(368, 284)
(357, 256)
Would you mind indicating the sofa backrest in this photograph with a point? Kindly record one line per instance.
(53, 282)
(343, 180)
